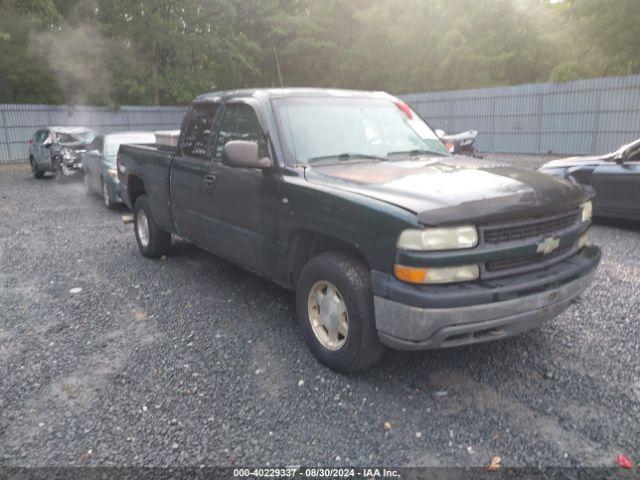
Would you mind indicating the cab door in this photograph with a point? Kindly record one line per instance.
(617, 186)
(242, 202)
(44, 149)
(90, 162)
(189, 186)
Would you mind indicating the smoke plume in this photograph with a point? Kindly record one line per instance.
(77, 56)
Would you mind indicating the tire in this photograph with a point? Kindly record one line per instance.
(87, 187)
(35, 170)
(156, 242)
(58, 174)
(360, 348)
(106, 196)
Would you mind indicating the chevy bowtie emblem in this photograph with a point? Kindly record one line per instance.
(548, 245)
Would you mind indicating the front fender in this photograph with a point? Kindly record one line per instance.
(369, 225)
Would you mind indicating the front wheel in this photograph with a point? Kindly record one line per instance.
(35, 170)
(153, 241)
(87, 187)
(57, 171)
(106, 196)
(335, 311)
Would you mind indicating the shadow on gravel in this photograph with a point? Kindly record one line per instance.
(631, 225)
(487, 356)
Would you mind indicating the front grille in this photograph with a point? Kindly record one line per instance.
(513, 263)
(530, 229)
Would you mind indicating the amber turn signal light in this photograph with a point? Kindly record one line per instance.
(410, 274)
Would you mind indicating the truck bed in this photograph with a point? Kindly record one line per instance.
(151, 164)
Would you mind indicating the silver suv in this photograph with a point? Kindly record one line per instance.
(58, 150)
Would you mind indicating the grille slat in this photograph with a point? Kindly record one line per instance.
(524, 261)
(523, 231)
(535, 228)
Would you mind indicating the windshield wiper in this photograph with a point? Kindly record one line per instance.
(346, 156)
(417, 153)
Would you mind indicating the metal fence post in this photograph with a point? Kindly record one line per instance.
(596, 123)
(6, 138)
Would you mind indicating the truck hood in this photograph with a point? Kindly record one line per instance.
(444, 191)
(568, 162)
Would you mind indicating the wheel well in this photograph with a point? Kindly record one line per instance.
(135, 188)
(305, 244)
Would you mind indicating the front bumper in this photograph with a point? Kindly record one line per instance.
(71, 166)
(417, 318)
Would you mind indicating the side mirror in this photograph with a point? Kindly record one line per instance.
(440, 133)
(243, 154)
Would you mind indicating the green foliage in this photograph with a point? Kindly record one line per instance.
(612, 28)
(567, 72)
(116, 52)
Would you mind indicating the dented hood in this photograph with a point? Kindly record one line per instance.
(452, 190)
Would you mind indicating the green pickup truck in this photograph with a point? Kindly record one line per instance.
(350, 199)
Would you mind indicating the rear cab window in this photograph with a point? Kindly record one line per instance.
(198, 132)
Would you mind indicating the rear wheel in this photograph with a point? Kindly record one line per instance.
(336, 314)
(152, 241)
(35, 170)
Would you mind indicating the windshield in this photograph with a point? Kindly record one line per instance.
(86, 136)
(328, 127)
(112, 143)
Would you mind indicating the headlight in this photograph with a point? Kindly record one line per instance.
(447, 238)
(66, 153)
(112, 172)
(462, 273)
(587, 211)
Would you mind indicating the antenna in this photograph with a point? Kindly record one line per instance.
(275, 55)
(284, 100)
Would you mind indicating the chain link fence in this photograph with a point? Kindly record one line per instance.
(583, 117)
(18, 123)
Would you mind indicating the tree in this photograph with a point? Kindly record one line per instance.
(167, 51)
(611, 31)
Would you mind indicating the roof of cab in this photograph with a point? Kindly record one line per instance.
(266, 93)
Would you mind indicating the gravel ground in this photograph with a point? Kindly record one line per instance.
(191, 360)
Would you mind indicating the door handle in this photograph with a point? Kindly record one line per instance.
(209, 181)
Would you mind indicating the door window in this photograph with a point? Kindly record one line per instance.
(634, 155)
(198, 132)
(96, 144)
(241, 123)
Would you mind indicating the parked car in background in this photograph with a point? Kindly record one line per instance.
(58, 150)
(462, 143)
(351, 200)
(615, 177)
(99, 163)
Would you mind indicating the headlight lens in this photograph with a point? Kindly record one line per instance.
(66, 153)
(462, 273)
(587, 211)
(447, 238)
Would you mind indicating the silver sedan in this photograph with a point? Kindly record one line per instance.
(99, 163)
